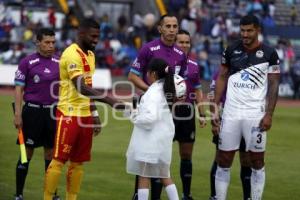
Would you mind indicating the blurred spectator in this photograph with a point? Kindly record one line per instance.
(51, 17)
(293, 14)
(295, 73)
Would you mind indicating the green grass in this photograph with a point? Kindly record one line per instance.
(105, 176)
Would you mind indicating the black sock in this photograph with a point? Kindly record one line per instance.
(136, 186)
(186, 169)
(156, 188)
(246, 181)
(21, 173)
(212, 179)
(47, 163)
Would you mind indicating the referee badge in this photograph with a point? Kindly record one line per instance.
(259, 54)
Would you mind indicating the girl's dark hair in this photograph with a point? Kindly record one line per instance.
(159, 66)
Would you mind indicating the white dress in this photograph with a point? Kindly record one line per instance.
(150, 149)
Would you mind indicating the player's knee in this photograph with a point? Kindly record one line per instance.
(257, 160)
(245, 159)
(224, 159)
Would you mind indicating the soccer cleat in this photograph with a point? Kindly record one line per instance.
(56, 197)
(187, 198)
(212, 198)
(19, 197)
(135, 196)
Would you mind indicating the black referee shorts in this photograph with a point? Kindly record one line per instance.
(39, 126)
(184, 121)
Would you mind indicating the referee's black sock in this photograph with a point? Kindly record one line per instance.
(212, 179)
(245, 175)
(47, 163)
(186, 169)
(21, 173)
(156, 188)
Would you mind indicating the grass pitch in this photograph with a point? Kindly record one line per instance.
(105, 176)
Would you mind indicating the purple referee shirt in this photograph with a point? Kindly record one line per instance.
(192, 79)
(37, 73)
(175, 58)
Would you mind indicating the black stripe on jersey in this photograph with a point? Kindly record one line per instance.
(259, 70)
(253, 82)
(256, 72)
(256, 78)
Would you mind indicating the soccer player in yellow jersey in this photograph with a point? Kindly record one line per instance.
(77, 117)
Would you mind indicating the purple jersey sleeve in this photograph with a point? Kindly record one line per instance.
(21, 73)
(139, 64)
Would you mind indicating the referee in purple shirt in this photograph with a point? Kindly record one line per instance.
(166, 49)
(36, 82)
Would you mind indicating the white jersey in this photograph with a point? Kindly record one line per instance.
(248, 81)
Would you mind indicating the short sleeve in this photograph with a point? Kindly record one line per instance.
(274, 63)
(74, 66)
(225, 58)
(21, 73)
(140, 62)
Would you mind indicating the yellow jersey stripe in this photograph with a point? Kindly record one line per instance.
(57, 136)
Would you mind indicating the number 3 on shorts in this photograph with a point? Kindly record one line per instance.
(258, 140)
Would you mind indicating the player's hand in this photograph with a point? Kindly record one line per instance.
(216, 118)
(215, 129)
(96, 125)
(202, 121)
(266, 122)
(18, 121)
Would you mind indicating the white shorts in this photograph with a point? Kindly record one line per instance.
(232, 131)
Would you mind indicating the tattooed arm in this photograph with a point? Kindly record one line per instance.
(272, 94)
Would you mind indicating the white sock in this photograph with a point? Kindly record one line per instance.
(172, 192)
(222, 180)
(257, 183)
(143, 194)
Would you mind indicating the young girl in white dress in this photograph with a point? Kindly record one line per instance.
(150, 149)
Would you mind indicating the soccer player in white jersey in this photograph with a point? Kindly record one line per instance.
(250, 70)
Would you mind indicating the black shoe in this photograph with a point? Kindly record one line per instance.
(19, 197)
(187, 198)
(56, 197)
(212, 198)
(135, 196)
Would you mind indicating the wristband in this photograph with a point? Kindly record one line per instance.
(95, 113)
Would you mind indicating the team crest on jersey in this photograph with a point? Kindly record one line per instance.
(36, 78)
(72, 66)
(245, 76)
(259, 54)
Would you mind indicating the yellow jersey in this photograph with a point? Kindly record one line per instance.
(74, 62)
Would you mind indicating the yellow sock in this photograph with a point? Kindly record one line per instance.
(52, 178)
(74, 176)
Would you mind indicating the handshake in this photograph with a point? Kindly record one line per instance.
(131, 109)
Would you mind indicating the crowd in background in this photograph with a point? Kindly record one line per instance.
(211, 28)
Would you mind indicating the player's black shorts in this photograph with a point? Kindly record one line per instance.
(242, 148)
(185, 128)
(38, 126)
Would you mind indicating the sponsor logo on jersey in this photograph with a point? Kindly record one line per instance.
(47, 71)
(155, 48)
(19, 75)
(36, 78)
(136, 64)
(191, 61)
(244, 85)
(54, 60)
(178, 51)
(237, 52)
(245, 76)
(34, 61)
(259, 54)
